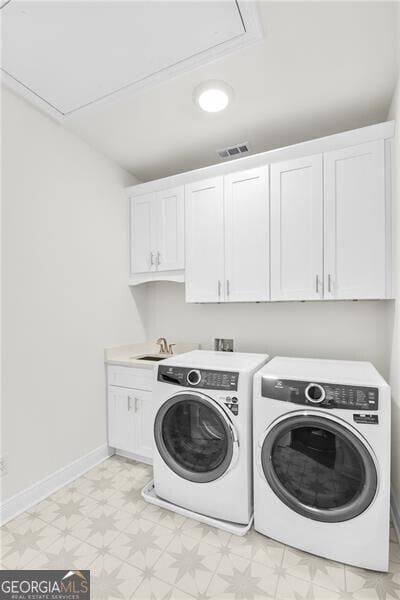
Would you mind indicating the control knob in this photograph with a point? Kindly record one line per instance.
(194, 377)
(315, 393)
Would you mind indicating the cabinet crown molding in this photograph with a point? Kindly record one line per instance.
(328, 143)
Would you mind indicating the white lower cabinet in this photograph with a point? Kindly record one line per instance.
(130, 421)
(121, 423)
(144, 423)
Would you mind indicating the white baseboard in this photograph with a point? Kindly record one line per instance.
(39, 491)
(395, 512)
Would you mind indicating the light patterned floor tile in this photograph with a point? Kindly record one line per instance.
(64, 509)
(111, 579)
(130, 501)
(127, 483)
(393, 534)
(152, 588)
(142, 543)
(103, 525)
(204, 533)
(100, 485)
(66, 553)
(23, 539)
(137, 550)
(114, 464)
(373, 585)
(242, 579)
(188, 565)
(79, 486)
(394, 552)
(319, 571)
(138, 474)
(292, 588)
(255, 546)
(167, 518)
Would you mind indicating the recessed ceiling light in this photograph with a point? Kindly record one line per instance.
(212, 96)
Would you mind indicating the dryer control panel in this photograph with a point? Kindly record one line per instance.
(205, 379)
(324, 395)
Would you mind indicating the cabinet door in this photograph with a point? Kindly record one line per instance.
(247, 236)
(121, 421)
(142, 234)
(144, 423)
(355, 241)
(170, 229)
(204, 235)
(297, 229)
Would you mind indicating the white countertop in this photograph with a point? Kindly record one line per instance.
(128, 356)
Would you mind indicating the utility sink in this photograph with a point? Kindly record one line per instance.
(149, 357)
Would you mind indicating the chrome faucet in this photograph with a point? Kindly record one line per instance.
(162, 342)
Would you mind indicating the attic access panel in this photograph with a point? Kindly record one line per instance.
(71, 54)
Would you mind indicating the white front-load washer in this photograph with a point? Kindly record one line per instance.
(203, 433)
(322, 458)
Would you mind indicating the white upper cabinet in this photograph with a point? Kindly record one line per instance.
(170, 215)
(157, 231)
(246, 205)
(142, 234)
(307, 222)
(227, 238)
(297, 229)
(204, 209)
(355, 222)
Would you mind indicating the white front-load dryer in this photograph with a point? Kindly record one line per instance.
(322, 458)
(203, 433)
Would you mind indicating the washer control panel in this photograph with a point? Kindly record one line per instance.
(205, 379)
(324, 395)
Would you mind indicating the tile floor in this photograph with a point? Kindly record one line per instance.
(136, 550)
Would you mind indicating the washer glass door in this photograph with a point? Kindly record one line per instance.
(194, 437)
(319, 468)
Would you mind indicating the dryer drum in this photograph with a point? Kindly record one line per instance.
(319, 468)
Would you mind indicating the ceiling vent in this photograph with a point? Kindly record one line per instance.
(233, 151)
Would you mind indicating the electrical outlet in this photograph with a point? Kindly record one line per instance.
(223, 344)
(3, 466)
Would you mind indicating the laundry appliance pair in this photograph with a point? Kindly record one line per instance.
(310, 437)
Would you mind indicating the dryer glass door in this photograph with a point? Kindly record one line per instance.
(194, 437)
(319, 468)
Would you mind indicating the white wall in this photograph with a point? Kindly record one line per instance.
(343, 330)
(394, 113)
(65, 293)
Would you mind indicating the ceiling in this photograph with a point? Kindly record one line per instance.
(72, 54)
(321, 67)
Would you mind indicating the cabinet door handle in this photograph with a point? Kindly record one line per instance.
(158, 259)
(129, 403)
(329, 283)
(136, 404)
(316, 284)
(228, 288)
(219, 289)
(151, 259)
